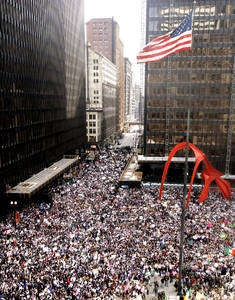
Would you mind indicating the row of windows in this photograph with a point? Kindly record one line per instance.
(94, 24)
(202, 115)
(11, 120)
(223, 90)
(91, 124)
(178, 10)
(215, 63)
(195, 103)
(194, 128)
(100, 41)
(212, 37)
(92, 116)
(101, 47)
(27, 149)
(195, 77)
(213, 90)
(16, 101)
(92, 131)
(206, 51)
(197, 26)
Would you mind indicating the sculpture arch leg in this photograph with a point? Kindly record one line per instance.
(192, 179)
(173, 151)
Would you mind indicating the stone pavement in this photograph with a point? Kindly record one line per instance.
(169, 290)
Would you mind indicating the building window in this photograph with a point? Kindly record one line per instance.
(96, 80)
(90, 117)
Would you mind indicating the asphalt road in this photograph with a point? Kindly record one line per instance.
(129, 139)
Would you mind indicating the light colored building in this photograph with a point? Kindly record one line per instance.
(139, 104)
(102, 97)
(103, 36)
(132, 103)
(128, 83)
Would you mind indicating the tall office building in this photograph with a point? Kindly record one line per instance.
(42, 85)
(202, 78)
(103, 36)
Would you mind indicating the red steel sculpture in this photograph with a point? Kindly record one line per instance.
(208, 175)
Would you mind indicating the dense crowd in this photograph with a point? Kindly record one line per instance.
(99, 240)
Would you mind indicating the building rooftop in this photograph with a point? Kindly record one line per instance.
(37, 181)
(153, 159)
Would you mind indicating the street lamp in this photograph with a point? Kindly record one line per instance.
(13, 206)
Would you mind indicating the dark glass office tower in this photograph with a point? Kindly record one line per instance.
(42, 84)
(202, 78)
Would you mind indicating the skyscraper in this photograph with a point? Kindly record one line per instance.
(202, 78)
(42, 85)
(103, 36)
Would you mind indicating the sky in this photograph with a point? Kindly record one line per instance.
(127, 13)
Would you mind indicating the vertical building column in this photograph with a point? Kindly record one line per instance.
(230, 122)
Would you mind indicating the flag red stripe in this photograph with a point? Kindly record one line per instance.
(156, 47)
(159, 58)
(155, 43)
(166, 51)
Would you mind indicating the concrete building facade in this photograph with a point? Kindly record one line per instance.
(102, 91)
(103, 36)
(139, 109)
(128, 83)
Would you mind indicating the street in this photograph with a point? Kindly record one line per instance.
(130, 138)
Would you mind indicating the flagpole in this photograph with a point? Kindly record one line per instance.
(183, 199)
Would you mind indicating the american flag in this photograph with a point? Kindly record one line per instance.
(164, 45)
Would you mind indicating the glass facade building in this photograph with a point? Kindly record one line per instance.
(202, 78)
(42, 85)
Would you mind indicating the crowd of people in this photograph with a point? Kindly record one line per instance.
(103, 241)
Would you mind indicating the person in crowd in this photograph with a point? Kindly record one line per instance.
(101, 241)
